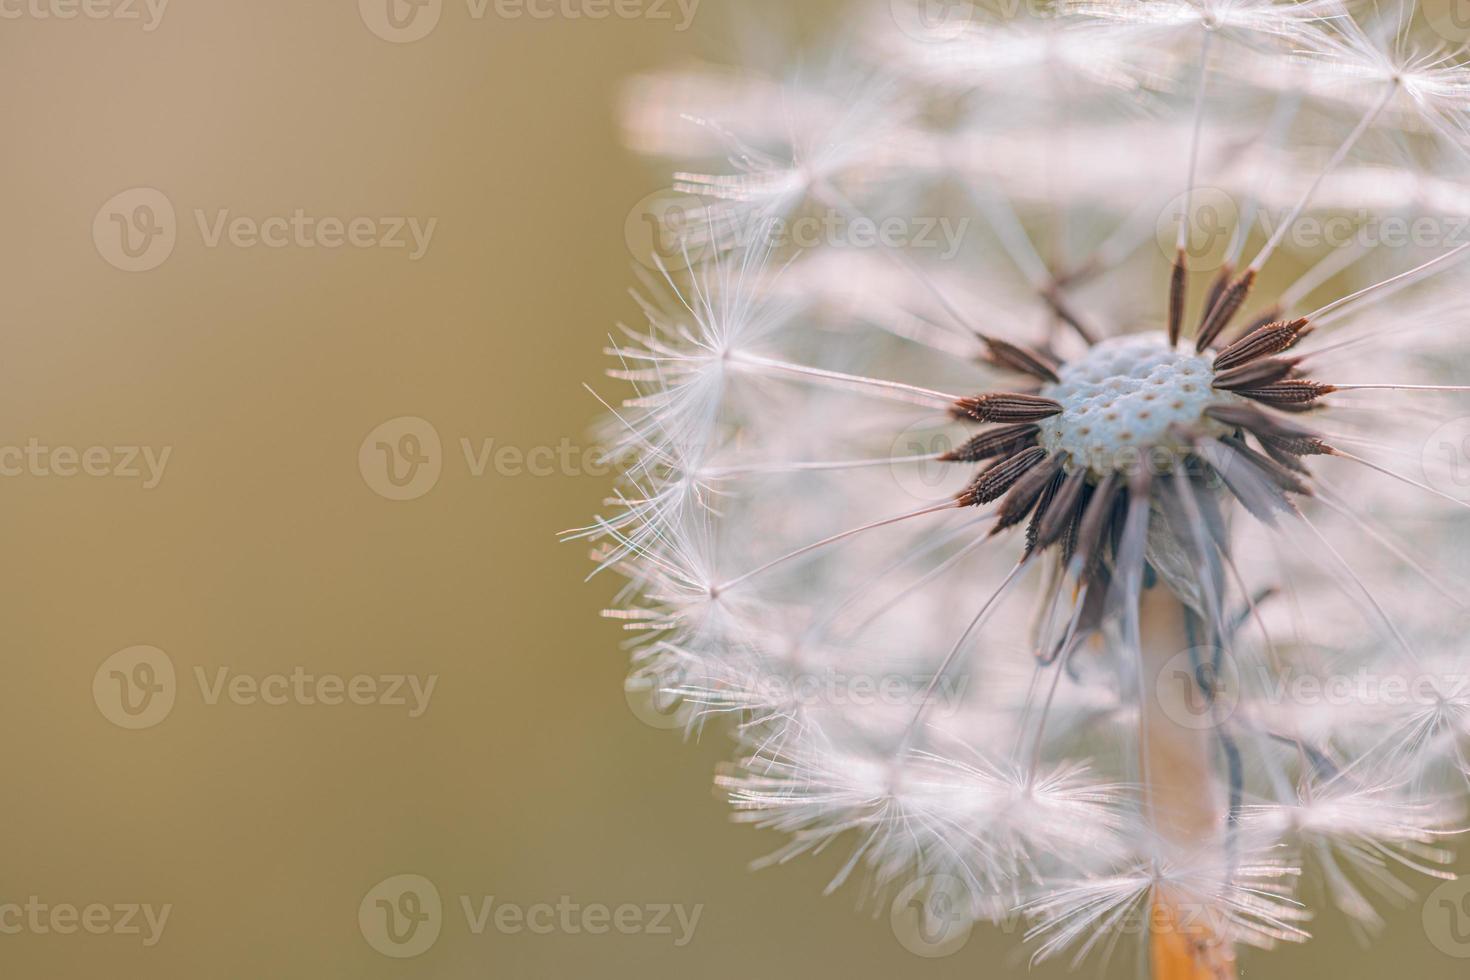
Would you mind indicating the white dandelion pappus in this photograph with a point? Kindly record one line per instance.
(1001, 563)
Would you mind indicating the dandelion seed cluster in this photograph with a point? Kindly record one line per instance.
(1062, 516)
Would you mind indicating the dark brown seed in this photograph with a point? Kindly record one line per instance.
(1069, 537)
(1217, 289)
(1267, 316)
(1178, 281)
(1301, 408)
(1062, 512)
(1225, 309)
(1043, 505)
(1006, 407)
(996, 480)
(1256, 374)
(1263, 498)
(1265, 341)
(1284, 458)
(1013, 357)
(996, 442)
(1288, 395)
(1026, 493)
(1258, 422)
(1297, 446)
(1278, 474)
(1094, 520)
(1264, 426)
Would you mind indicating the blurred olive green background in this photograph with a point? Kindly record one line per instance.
(265, 546)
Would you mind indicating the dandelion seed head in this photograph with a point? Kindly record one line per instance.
(1000, 527)
(1127, 396)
